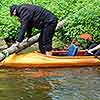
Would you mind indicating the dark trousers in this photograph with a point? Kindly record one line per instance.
(45, 39)
(97, 52)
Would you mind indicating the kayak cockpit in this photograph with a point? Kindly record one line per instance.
(64, 53)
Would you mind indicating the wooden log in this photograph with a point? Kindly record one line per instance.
(24, 44)
(13, 49)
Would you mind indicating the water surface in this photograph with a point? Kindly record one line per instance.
(50, 84)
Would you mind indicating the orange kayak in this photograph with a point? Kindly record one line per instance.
(35, 59)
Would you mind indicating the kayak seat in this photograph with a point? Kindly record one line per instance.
(72, 50)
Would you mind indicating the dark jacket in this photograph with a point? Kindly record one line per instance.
(32, 16)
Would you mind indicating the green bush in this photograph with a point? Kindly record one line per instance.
(83, 16)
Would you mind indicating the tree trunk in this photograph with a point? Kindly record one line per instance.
(24, 44)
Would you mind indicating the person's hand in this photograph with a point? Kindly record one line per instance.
(16, 44)
(26, 40)
(89, 51)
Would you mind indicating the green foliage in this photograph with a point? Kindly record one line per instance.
(83, 16)
(8, 25)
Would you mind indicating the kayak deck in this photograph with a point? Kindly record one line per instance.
(34, 59)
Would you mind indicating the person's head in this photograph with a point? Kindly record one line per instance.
(75, 41)
(13, 10)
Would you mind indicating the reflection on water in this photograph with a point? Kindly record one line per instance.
(50, 84)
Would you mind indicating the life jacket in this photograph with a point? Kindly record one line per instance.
(72, 50)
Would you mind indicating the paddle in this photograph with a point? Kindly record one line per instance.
(93, 55)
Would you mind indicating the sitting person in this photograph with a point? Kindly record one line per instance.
(73, 48)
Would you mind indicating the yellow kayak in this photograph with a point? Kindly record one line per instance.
(35, 59)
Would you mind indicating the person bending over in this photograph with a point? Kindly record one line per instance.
(36, 16)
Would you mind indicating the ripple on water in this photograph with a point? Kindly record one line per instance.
(50, 84)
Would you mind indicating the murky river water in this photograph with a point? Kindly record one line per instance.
(50, 84)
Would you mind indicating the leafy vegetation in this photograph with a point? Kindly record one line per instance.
(83, 16)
